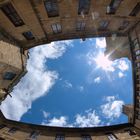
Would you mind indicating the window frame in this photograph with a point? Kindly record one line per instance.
(86, 137)
(135, 10)
(130, 132)
(12, 130)
(113, 6)
(84, 7)
(34, 135)
(52, 8)
(11, 13)
(111, 136)
(9, 75)
(60, 137)
(80, 26)
(103, 25)
(124, 25)
(27, 36)
(56, 28)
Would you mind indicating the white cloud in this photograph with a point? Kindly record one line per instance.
(97, 80)
(123, 65)
(90, 119)
(36, 83)
(67, 84)
(62, 121)
(80, 88)
(120, 74)
(109, 98)
(113, 108)
(45, 114)
(101, 42)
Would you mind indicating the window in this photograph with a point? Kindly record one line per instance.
(111, 136)
(137, 52)
(84, 6)
(51, 8)
(28, 35)
(103, 25)
(138, 117)
(137, 77)
(80, 26)
(60, 137)
(138, 82)
(130, 132)
(138, 64)
(138, 57)
(34, 135)
(12, 130)
(86, 137)
(12, 14)
(2, 126)
(113, 6)
(136, 10)
(124, 25)
(9, 76)
(56, 28)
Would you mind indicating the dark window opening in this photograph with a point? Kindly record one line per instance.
(12, 14)
(56, 28)
(2, 138)
(111, 136)
(136, 10)
(60, 137)
(103, 25)
(137, 89)
(12, 130)
(137, 77)
(9, 76)
(130, 132)
(28, 35)
(34, 135)
(113, 6)
(137, 52)
(52, 8)
(124, 25)
(80, 26)
(2, 126)
(84, 6)
(86, 137)
(138, 81)
(138, 57)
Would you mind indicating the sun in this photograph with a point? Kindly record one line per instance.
(103, 62)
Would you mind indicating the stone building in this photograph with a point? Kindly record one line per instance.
(12, 64)
(28, 23)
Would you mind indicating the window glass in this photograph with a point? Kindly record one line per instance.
(28, 35)
(51, 8)
(60, 137)
(9, 76)
(12, 14)
(12, 130)
(56, 28)
(80, 26)
(114, 4)
(84, 6)
(86, 137)
(136, 10)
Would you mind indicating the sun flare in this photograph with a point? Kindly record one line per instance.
(103, 62)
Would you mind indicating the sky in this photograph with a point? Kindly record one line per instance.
(71, 84)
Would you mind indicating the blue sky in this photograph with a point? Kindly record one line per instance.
(71, 83)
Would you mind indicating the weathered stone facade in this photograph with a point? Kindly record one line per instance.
(27, 23)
